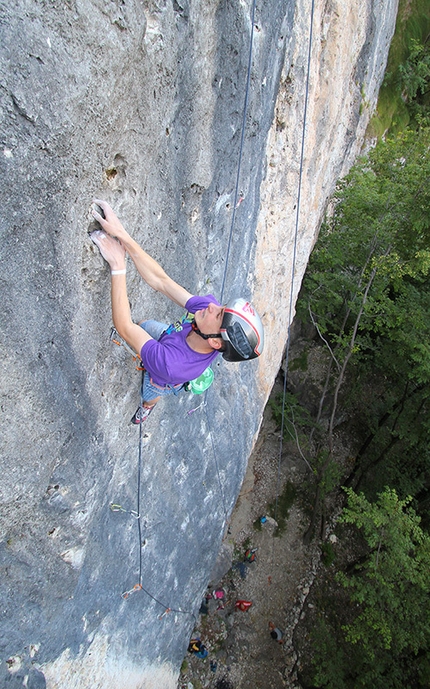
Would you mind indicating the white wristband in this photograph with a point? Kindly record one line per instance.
(119, 272)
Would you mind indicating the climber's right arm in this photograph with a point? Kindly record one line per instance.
(114, 253)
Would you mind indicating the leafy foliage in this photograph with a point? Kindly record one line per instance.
(367, 291)
(378, 235)
(385, 641)
(415, 72)
(404, 98)
(391, 586)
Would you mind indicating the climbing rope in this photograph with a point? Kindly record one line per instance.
(136, 514)
(238, 198)
(290, 310)
(237, 201)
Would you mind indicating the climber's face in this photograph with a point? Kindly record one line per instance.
(209, 320)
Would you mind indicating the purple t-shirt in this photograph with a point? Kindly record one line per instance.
(170, 360)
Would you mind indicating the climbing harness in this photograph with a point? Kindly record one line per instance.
(196, 386)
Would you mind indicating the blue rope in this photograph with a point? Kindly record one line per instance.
(233, 217)
(139, 472)
(236, 195)
(290, 311)
(242, 139)
(139, 586)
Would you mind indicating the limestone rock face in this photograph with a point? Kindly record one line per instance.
(141, 103)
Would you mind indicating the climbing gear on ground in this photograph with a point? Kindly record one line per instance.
(276, 633)
(141, 414)
(195, 646)
(218, 594)
(242, 331)
(250, 555)
(243, 570)
(243, 605)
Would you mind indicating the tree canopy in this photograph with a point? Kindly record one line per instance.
(367, 293)
(379, 635)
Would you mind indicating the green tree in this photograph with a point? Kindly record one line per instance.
(414, 77)
(373, 253)
(384, 640)
(404, 98)
(367, 292)
(391, 586)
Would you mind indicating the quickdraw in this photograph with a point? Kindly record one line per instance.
(191, 411)
(166, 612)
(118, 508)
(136, 587)
(118, 340)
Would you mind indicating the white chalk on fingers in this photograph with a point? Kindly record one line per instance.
(98, 235)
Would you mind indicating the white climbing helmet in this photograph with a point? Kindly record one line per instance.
(242, 331)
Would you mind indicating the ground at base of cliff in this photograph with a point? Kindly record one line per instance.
(241, 652)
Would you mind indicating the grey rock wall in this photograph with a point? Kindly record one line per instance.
(141, 103)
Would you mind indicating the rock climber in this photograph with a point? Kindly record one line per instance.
(172, 354)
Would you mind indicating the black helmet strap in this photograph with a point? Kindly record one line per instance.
(203, 335)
